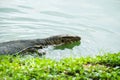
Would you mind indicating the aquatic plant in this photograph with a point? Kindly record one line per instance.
(105, 67)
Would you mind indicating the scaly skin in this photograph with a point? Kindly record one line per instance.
(17, 46)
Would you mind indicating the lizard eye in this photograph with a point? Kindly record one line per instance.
(62, 40)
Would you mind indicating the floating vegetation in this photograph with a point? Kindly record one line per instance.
(105, 67)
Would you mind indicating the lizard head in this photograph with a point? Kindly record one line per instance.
(62, 39)
(66, 39)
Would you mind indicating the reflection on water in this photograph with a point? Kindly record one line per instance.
(69, 45)
(97, 22)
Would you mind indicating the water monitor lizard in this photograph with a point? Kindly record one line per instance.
(17, 46)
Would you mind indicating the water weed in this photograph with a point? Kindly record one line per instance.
(101, 67)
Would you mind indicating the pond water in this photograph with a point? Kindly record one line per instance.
(96, 21)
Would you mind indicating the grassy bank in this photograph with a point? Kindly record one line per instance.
(106, 67)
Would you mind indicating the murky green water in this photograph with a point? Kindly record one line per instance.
(96, 21)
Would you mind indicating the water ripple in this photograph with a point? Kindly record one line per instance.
(9, 10)
(57, 14)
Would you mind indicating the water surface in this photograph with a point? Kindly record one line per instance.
(96, 21)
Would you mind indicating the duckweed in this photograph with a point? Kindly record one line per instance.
(106, 67)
